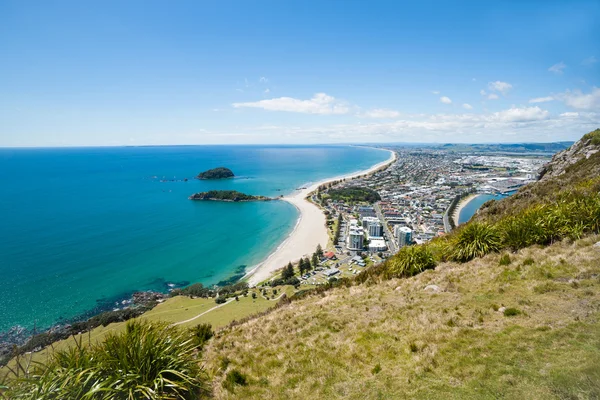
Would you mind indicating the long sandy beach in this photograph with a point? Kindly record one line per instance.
(310, 229)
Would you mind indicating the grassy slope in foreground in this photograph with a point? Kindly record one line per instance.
(397, 340)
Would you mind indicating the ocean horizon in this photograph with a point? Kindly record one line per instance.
(83, 228)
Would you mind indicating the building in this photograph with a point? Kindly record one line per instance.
(356, 238)
(404, 235)
(373, 226)
(376, 245)
(366, 211)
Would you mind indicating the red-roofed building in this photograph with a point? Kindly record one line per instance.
(330, 255)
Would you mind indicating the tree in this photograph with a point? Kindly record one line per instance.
(315, 260)
(307, 264)
(319, 251)
(253, 295)
(302, 266)
(288, 271)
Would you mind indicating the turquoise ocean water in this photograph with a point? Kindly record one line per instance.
(82, 228)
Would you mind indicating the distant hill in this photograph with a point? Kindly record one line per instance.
(508, 148)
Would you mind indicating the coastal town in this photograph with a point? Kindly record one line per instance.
(415, 198)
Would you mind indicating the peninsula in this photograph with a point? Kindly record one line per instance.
(216, 173)
(227, 195)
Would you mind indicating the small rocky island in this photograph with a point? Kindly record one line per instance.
(216, 173)
(227, 195)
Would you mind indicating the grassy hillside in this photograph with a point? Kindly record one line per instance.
(445, 333)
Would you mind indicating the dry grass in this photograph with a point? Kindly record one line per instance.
(397, 340)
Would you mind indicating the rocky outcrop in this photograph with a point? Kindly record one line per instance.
(586, 147)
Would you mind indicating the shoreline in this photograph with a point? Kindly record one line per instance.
(310, 229)
(462, 204)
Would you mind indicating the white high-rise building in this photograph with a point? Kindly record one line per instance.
(356, 238)
(373, 226)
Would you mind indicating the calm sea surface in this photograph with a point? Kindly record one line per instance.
(82, 228)
(471, 208)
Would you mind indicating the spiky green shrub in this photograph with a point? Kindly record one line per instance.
(441, 248)
(474, 240)
(146, 361)
(525, 229)
(409, 261)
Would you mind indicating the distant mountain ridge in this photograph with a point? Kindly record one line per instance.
(552, 147)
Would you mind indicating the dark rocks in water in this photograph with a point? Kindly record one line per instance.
(216, 173)
(146, 298)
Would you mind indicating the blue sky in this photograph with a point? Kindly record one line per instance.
(78, 73)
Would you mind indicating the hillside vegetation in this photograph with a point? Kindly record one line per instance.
(510, 311)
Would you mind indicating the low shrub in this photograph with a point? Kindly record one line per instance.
(201, 333)
(504, 260)
(528, 261)
(511, 312)
(234, 378)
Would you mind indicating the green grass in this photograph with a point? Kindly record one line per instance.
(330, 344)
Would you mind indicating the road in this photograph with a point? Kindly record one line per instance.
(390, 238)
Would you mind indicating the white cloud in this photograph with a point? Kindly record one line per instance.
(493, 96)
(541, 99)
(569, 115)
(380, 113)
(589, 61)
(521, 114)
(445, 100)
(499, 86)
(467, 106)
(267, 90)
(263, 80)
(582, 101)
(320, 103)
(482, 92)
(558, 68)
(512, 125)
(435, 91)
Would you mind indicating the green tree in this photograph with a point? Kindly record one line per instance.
(288, 271)
(319, 251)
(302, 266)
(307, 264)
(315, 260)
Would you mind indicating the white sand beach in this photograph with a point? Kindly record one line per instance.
(310, 229)
(461, 204)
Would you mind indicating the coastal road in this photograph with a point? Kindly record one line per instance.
(388, 234)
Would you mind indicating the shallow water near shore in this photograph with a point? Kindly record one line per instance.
(472, 206)
(82, 228)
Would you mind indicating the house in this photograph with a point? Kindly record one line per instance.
(330, 255)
